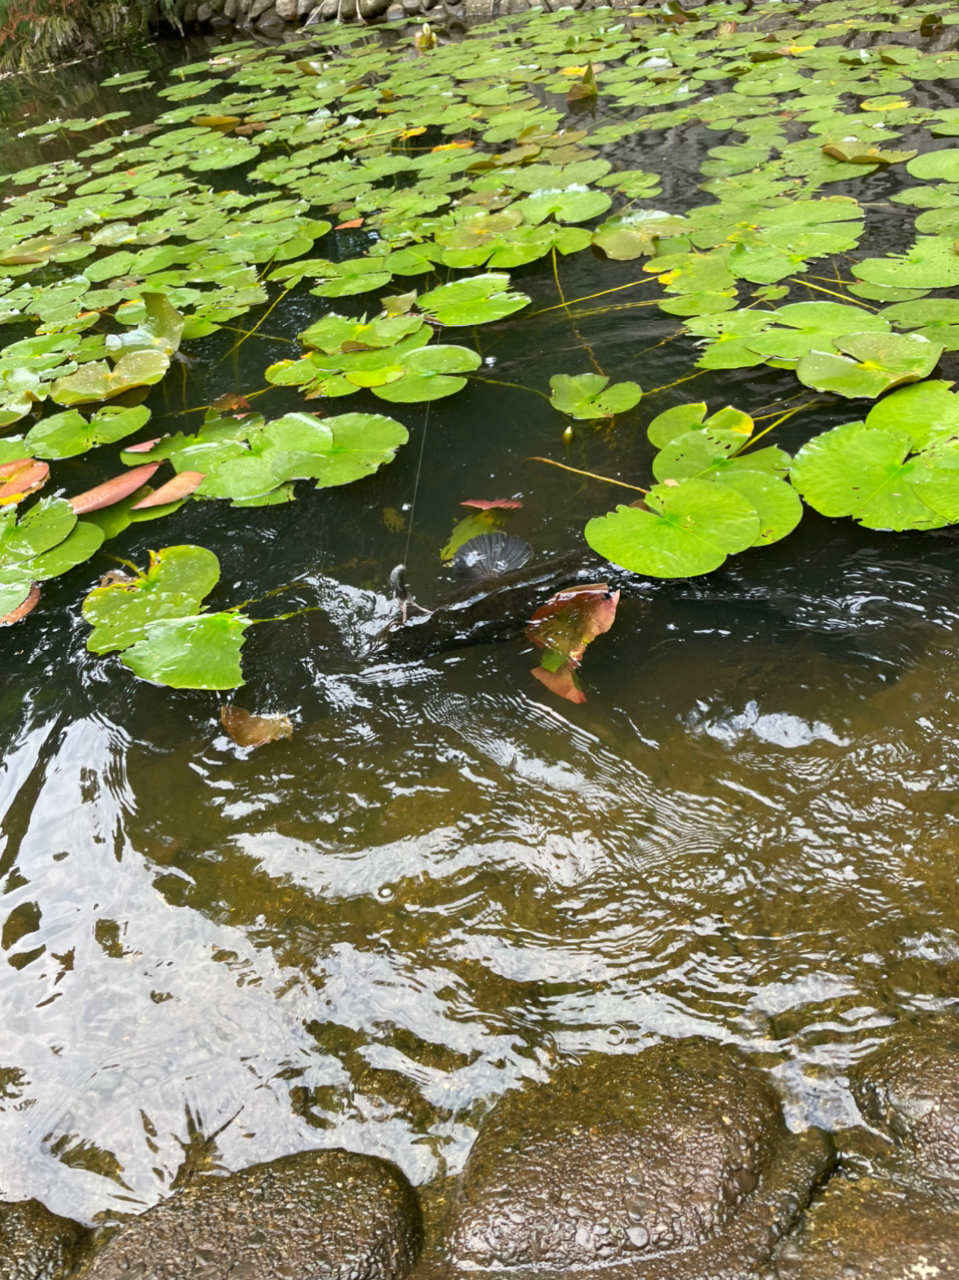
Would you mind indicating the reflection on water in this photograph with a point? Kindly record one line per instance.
(447, 881)
(443, 884)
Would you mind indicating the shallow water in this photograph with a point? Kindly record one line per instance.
(448, 881)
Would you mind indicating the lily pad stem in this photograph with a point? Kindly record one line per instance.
(590, 474)
(252, 331)
(572, 323)
(589, 297)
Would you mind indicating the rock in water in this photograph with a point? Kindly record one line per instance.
(673, 1163)
(895, 1215)
(491, 555)
(909, 1089)
(36, 1244)
(316, 1215)
(868, 1230)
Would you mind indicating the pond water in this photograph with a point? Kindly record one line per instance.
(447, 880)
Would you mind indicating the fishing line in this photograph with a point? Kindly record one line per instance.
(416, 483)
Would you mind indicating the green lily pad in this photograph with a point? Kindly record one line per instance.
(867, 473)
(201, 652)
(635, 235)
(65, 435)
(688, 530)
(942, 166)
(588, 395)
(174, 586)
(98, 381)
(872, 364)
(475, 300)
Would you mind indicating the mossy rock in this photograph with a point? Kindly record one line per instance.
(674, 1162)
(316, 1215)
(36, 1244)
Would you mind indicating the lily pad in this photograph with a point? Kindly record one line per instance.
(477, 300)
(686, 531)
(201, 652)
(872, 364)
(589, 396)
(173, 587)
(867, 473)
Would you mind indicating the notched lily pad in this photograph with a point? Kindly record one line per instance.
(588, 395)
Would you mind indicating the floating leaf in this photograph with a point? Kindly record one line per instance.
(872, 364)
(576, 623)
(564, 626)
(483, 504)
(174, 490)
(98, 381)
(20, 478)
(111, 491)
(16, 608)
(588, 395)
(686, 531)
(867, 473)
(476, 300)
(65, 435)
(635, 235)
(248, 730)
(201, 652)
(174, 586)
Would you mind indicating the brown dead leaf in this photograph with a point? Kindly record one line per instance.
(481, 504)
(180, 486)
(346, 226)
(22, 609)
(562, 682)
(144, 447)
(571, 619)
(113, 578)
(229, 401)
(248, 730)
(111, 491)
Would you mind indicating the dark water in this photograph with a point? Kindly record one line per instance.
(448, 881)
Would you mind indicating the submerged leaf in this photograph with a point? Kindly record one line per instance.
(248, 730)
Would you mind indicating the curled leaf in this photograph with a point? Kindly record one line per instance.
(571, 619)
(111, 491)
(180, 486)
(564, 626)
(23, 608)
(482, 504)
(21, 477)
(248, 730)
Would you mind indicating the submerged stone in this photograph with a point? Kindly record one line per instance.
(674, 1162)
(869, 1229)
(36, 1244)
(909, 1090)
(896, 1216)
(316, 1215)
